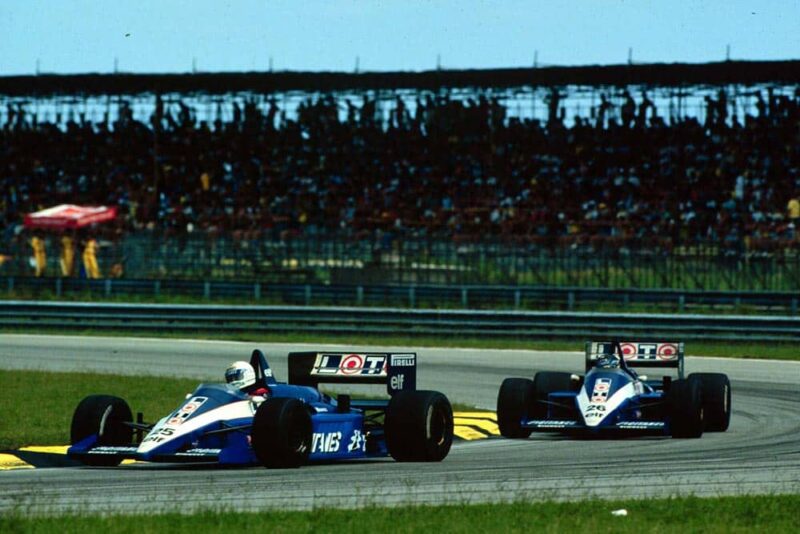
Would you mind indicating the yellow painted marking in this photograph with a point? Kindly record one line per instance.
(477, 415)
(465, 432)
(488, 426)
(9, 461)
(51, 449)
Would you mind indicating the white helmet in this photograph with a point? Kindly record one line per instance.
(240, 375)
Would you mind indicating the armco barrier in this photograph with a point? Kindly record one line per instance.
(42, 316)
(456, 296)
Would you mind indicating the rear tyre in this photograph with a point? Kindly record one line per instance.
(545, 383)
(716, 400)
(281, 435)
(513, 405)
(685, 404)
(419, 426)
(104, 415)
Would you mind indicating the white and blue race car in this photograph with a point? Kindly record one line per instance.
(611, 398)
(285, 425)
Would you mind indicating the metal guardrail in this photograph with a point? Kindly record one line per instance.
(412, 296)
(392, 321)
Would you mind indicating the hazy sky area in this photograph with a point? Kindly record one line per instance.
(76, 36)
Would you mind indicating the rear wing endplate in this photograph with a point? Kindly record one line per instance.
(639, 353)
(397, 370)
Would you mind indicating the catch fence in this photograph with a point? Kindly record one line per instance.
(387, 261)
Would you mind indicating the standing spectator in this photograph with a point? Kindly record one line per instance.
(39, 255)
(793, 211)
(67, 255)
(90, 259)
(628, 110)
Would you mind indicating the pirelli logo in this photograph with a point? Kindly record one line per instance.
(403, 360)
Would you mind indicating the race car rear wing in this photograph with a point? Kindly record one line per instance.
(397, 370)
(638, 353)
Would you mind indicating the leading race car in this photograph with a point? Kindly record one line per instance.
(612, 398)
(284, 425)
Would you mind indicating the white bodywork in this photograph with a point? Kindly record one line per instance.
(595, 412)
(171, 426)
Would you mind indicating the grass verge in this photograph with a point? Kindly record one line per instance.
(42, 417)
(43, 402)
(421, 302)
(769, 513)
(773, 351)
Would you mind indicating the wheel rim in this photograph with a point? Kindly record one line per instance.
(435, 424)
(725, 395)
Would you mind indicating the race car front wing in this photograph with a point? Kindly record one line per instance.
(567, 425)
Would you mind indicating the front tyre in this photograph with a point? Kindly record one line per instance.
(106, 416)
(545, 383)
(685, 405)
(513, 404)
(716, 400)
(281, 435)
(419, 426)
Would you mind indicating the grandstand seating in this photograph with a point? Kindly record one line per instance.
(432, 166)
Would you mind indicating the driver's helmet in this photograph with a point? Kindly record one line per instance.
(607, 362)
(240, 375)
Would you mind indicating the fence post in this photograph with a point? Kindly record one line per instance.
(412, 297)
(464, 298)
(257, 291)
(58, 287)
(681, 303)
(10, 284)
(308, 294)
(206, 290)
(360, 295)
(794, 306)
(571, 300)
(157, 288)
(517, 299)
(107, 287)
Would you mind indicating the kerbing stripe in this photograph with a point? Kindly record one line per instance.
(9, 462)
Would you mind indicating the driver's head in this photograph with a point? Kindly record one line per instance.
(607, 362)
(240, 375)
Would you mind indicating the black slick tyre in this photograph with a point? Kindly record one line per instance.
(419, 426)
(545, 383)
(281, 435)
(716, 400)
(514, 401)
(106, 416)
(685, 405)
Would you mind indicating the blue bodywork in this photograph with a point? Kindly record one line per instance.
(640, 410)
(613, 400)
(214, 423)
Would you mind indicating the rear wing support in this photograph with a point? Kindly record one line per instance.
(397, 370)
(638, 353)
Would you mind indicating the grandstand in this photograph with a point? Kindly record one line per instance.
(468, 176)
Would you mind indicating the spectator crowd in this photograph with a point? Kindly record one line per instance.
(437, 166)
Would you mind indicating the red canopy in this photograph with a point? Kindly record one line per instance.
(69, 216)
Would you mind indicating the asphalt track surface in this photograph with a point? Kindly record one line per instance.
(760, 454)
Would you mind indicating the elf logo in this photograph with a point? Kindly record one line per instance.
(396, 382)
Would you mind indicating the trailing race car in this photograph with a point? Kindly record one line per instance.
(284, 424)
(611, 398)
